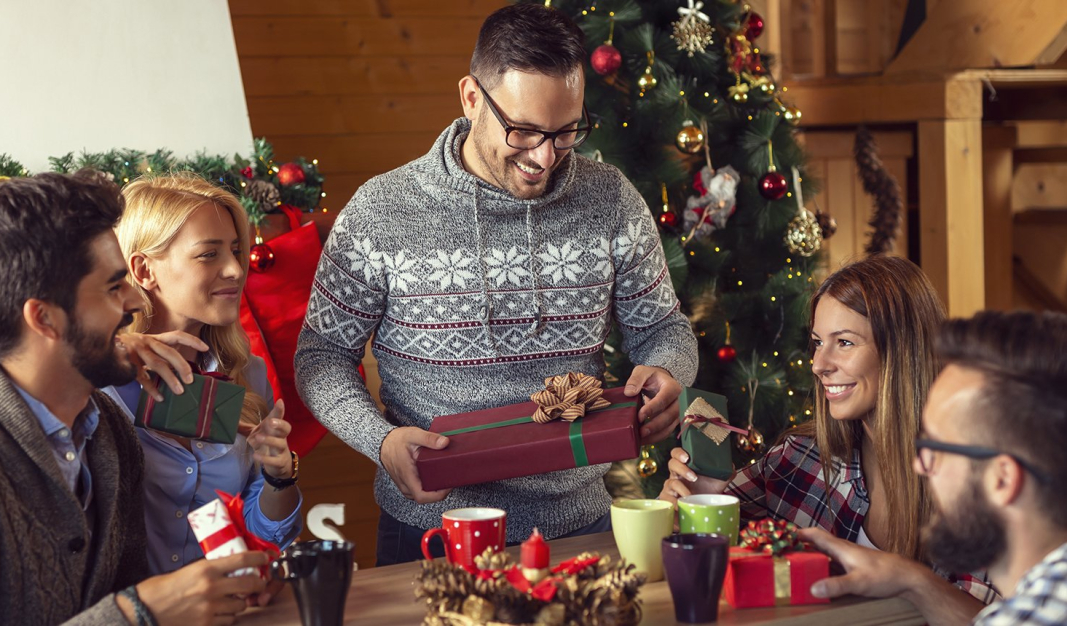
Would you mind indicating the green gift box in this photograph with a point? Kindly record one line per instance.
(705, 433)
(209, 410)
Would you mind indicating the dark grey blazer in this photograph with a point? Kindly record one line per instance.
(50, 570)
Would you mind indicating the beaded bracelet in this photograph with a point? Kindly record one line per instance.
(140, 610)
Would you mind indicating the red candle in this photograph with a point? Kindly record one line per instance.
(535, 551)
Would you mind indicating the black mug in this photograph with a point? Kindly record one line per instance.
(320, 573)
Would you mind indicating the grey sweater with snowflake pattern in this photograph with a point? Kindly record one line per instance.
(474, 297)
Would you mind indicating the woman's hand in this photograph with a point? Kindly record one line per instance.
(685, 482)
(159, 354)
(269, 445)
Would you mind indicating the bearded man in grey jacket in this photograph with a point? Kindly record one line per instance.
(499, 258)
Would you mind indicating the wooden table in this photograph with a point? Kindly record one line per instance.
(386, 596)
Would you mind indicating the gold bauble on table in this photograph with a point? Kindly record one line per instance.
(792, 115)
(690, 139)
(647, 80)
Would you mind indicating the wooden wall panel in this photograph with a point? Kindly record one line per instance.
(363, 86)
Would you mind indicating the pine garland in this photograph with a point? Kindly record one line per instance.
(255, 180)
(884, 188)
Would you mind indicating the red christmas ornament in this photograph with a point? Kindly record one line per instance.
(773, 185)
(606, 59)
(260, 258)
(290, 174)
(727, 353)
(755, 26)
(247, 172)
(668, 219)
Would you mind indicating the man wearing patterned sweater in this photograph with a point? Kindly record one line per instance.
(499, 258)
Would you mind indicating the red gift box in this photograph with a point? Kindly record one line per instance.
(755, 579)
(501, 443)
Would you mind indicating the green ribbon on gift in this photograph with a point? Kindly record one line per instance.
(581, 457)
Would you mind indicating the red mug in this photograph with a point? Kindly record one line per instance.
(467, 533)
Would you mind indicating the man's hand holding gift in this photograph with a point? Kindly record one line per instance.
(400, 450)
(659, 416)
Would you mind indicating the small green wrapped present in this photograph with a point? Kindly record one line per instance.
(208, 410)
(706, 433)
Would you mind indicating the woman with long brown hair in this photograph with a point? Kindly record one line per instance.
(848, 470)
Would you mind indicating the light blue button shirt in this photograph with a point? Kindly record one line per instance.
(68, 444)
(178, 481)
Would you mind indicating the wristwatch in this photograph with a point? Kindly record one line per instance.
(283, 483)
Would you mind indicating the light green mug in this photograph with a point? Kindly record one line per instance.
(710, 513)
(639, 527)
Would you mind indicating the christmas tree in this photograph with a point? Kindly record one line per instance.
(684, 103)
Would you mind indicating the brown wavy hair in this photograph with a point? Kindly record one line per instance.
(905, 313)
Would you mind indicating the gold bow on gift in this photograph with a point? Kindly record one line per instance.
(568, 397)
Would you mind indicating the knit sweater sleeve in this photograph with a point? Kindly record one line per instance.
(348, 299)
(654, 330)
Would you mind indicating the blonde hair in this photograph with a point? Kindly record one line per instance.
(157, 207)
(905, 313)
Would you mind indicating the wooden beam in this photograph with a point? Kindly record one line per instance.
(1034, 103)
(1046, 216)
(998, 174)
(951, 235)
(875, 100)
(1037, 289)
(984, 33)
(1041, 155)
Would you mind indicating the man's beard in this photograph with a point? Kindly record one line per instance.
(970, 538)
(96, 358)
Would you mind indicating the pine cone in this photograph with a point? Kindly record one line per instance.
(264, 193)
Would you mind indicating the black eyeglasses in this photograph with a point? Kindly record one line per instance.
(530, 138)
(925, 448)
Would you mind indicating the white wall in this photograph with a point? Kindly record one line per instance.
(99, 74)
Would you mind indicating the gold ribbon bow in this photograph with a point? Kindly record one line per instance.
(568, 397)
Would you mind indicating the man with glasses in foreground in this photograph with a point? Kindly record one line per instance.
(496, 260)
(995, 453)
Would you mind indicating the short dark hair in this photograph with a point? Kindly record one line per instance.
(1022, 408)
(47, 225)
(529, 38)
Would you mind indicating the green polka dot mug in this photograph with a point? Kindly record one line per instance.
(710, 513)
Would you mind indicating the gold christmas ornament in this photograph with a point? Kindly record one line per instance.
(792, 115)
(739, 92)
(646, 466)
(690, 139)
(752, 442)
(804, 235)
(647, 80)
(693, 33)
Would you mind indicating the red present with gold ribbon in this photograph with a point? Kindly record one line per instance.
(219, 527)
(571, 423)
(773, 568)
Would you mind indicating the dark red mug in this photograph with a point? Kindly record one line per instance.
(467, 533)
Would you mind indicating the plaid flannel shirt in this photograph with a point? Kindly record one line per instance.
(787, 483)
(1040, 598)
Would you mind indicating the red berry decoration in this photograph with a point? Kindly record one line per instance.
(247, 172)
(260, 258)
(606, 59)
(727, 353)
(290, 174)
(773, 185)
(755, 26)
(668, 219)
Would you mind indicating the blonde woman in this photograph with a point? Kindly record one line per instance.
(186, 244)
